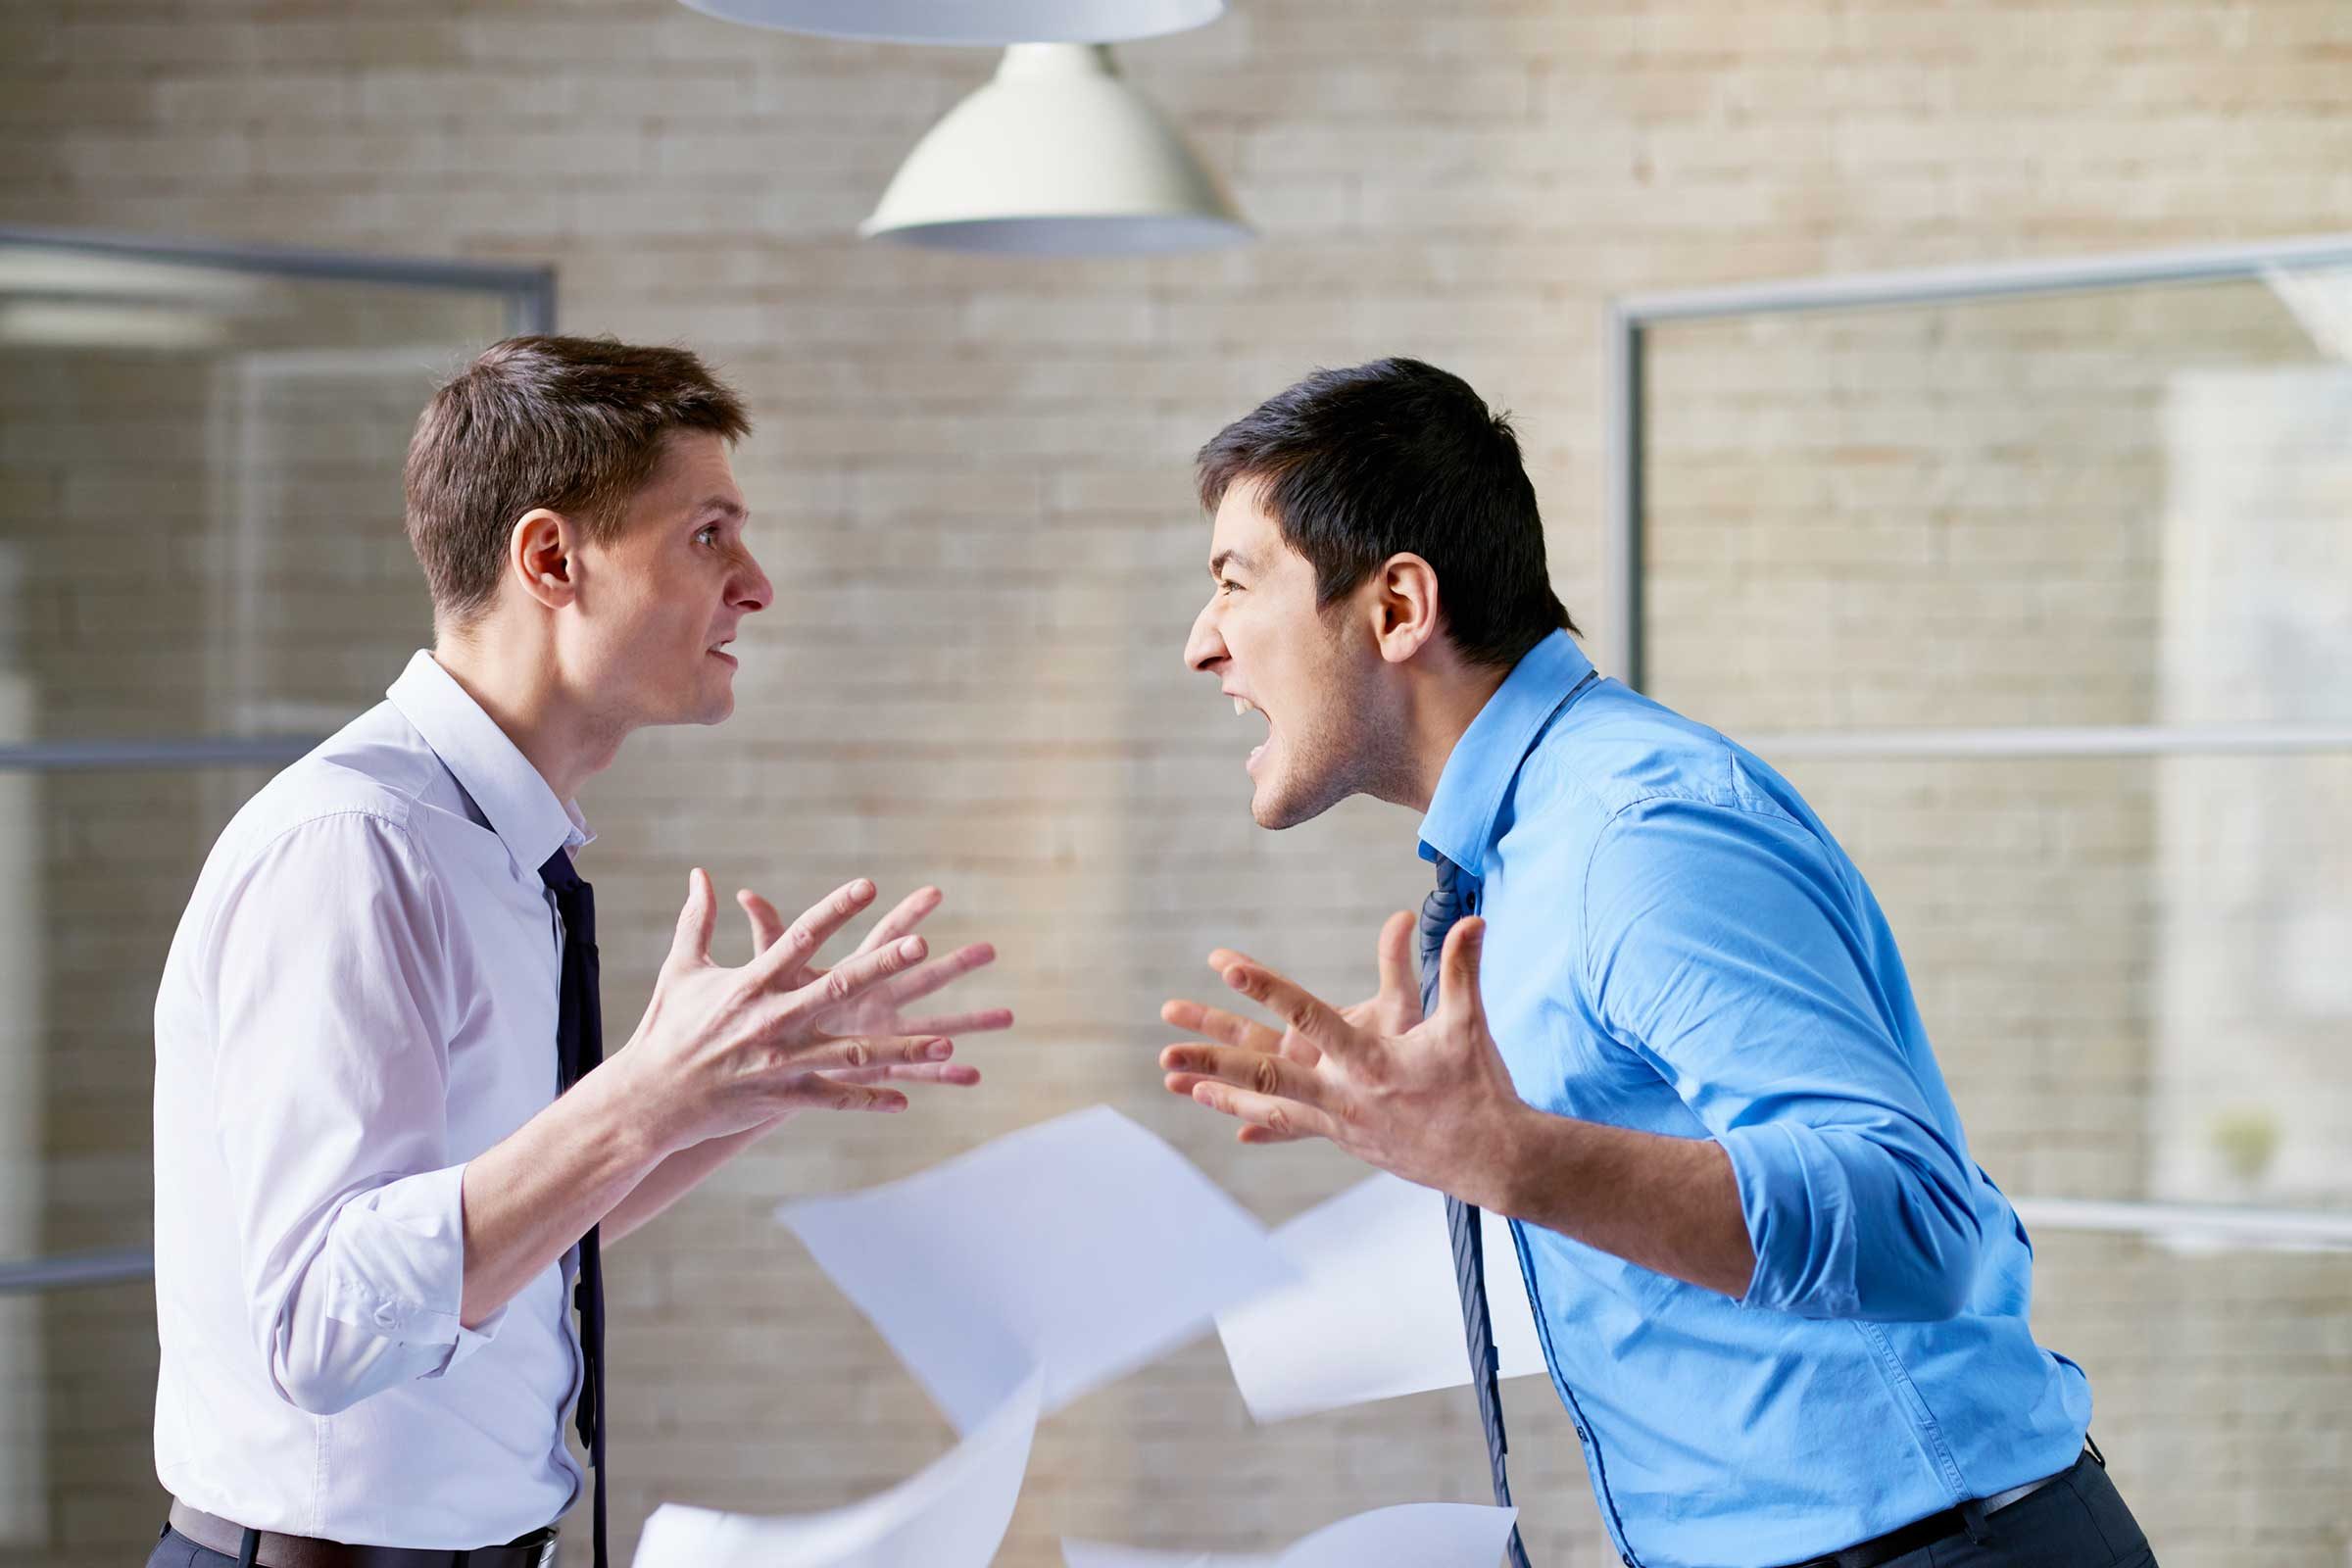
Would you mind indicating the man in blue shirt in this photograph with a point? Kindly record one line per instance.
(1672, 1038)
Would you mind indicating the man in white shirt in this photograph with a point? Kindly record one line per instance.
(372, 1198)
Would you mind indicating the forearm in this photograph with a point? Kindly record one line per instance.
(677, 1176)
(530, 1196)
(1669, 1205)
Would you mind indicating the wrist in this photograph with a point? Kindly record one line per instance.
(1521, 1158)
(621, 1118)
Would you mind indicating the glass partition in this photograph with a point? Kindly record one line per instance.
(202, 572)
(2038, 581)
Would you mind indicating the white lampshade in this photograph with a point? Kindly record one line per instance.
(1056, 156)
(994, 23)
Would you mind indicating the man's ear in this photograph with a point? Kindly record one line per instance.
(1403, 606)
(540, 556)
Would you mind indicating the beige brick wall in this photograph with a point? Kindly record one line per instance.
(972, 480)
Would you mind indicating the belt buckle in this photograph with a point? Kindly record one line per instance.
(541, 1545)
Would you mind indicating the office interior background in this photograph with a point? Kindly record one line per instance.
(2036, 576)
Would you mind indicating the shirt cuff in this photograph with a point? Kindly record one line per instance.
(399, 1266)
(1799, 1214)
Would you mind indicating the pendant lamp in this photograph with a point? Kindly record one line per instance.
(994, 23)
(1056, 155)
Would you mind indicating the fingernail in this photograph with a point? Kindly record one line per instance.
(861, 889)
(940, 1049)
(911, 948)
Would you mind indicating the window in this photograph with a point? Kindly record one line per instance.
(2038, 581)
(202, 572)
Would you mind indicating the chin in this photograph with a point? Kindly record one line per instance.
(716, 702)
(1275, 807)
(700, 708)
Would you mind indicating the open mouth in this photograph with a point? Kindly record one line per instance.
(1242, 706)
(723, 656)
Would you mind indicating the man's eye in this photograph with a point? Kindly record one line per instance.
(704, 536)
(1228, 587)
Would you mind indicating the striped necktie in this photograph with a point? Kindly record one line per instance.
(1450, 901)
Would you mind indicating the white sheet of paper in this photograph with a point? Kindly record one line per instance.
(1376, 1313)
(950, 1514)
(1413, 1534)
(1082, 1247)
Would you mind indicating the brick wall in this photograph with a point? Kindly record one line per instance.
(973, 481)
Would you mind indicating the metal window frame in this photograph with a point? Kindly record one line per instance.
(531, 290)
(530, 294)
(1630, 318)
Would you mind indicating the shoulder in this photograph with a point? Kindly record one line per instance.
(1615, 750)
(367, 781)
(348, 815)
(313, 811)
(1647, 790)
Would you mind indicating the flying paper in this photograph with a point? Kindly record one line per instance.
(951, 1514)
(1375, 1312)
(1081, 1247)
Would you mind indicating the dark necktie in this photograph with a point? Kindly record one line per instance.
(579, 1047)
(1438, 911)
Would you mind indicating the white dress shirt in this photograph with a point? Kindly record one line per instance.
(360, 998)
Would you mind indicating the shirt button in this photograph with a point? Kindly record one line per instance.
(384, 1317)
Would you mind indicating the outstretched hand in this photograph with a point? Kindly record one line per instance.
(1426, 1098)
(723, 1051)
(880, 1012)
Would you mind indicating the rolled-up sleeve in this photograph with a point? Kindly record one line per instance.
(1729, 948)
(333, 1001)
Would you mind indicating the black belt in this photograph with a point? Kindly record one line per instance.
(1933, 1527)
(534, 1550)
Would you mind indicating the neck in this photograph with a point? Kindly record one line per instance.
(1438, 711)
(516, 680)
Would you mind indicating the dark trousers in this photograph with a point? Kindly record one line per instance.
(2077, 1521)
(176, 1551)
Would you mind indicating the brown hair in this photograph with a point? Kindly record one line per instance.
(574, 424)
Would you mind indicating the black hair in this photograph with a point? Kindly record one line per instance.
(1359, 464)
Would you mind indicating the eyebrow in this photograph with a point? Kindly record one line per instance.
(722, 504)
(1223, 557)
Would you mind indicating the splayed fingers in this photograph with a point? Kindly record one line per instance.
(883, 1009)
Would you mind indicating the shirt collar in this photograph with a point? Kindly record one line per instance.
(1485, 761)
(511, 794)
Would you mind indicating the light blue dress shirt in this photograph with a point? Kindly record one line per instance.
(1676, 944)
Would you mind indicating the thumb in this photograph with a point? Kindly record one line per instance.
(1457, 971)
(697, 920)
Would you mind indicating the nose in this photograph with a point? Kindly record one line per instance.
(1205, 650)
(749, 590)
